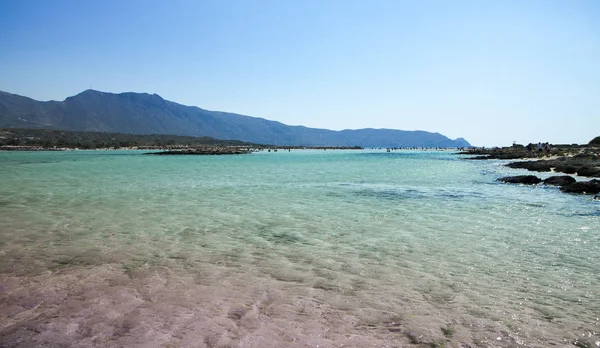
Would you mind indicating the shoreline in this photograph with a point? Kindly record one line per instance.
(572, 161)
(256, 148)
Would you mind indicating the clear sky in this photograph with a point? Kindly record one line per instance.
(492, 72)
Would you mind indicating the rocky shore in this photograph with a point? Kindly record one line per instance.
(565, 182)
(584, 164)
(582, 160)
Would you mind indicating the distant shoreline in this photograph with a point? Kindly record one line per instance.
(15, 139)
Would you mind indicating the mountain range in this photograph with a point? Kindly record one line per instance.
(142, 113)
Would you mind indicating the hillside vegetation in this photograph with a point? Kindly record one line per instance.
(97, 140)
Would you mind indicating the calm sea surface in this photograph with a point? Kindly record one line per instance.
(291, 249)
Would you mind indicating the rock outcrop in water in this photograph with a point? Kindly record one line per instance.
(521, 179)
(591, 187)
(566, 183)
(559, 180)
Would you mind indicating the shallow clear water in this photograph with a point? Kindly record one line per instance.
(301, 248)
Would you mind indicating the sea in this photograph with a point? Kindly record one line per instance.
(301, 248)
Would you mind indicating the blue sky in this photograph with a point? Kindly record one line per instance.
(492, 72)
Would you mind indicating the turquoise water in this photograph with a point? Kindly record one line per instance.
(301, 248)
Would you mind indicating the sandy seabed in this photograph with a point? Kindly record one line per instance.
(220, 305)
(111, 307)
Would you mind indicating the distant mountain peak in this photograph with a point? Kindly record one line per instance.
(96, 92)
(90, 91)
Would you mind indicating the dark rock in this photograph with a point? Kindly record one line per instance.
(536, 166)
(559, 180)
(589, 156)
(591, 187)
(521, 179)
(583, 164)
(589, 171)
(567, 169)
